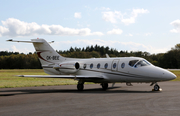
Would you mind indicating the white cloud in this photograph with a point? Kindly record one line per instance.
(115, 31)
(133, 16)
(111, 16)
(128, 21)
(3, 30)
(117, 15)
(14, 27)
(14, 48)
(77, 15)
(176, 25)
(135, 12)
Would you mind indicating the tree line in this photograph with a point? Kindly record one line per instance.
(15, 60)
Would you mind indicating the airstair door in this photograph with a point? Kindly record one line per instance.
(114, 66)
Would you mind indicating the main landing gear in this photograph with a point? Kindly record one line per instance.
(80, 85)
(104, 86)
(156, 87)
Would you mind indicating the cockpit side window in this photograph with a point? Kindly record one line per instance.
(141, 63)
(132, 62)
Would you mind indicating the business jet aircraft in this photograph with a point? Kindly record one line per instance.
(98, 70)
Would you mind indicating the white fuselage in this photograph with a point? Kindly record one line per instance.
(113, 70)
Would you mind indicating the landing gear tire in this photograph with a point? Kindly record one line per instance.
(80, 87)
(156, 87)
(104, 86)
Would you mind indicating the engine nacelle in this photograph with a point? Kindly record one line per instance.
(68, 67)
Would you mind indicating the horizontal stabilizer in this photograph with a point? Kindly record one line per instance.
(63, 76)
(32, 41)
(11, 40)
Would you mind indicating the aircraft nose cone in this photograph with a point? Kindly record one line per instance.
(169, 75)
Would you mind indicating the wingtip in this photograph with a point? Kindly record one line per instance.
(20, 75)
(9, 40)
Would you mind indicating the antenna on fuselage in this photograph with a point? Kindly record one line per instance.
(107, 56)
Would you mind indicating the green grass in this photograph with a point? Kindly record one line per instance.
(8, 78)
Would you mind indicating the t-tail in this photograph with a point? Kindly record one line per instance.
(48, 57)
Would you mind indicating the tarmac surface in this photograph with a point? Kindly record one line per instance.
(65, 100)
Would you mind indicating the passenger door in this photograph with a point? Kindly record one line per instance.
(114, 65)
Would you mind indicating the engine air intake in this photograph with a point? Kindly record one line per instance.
(77, 65)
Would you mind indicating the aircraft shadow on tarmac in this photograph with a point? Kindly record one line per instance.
(44, 91)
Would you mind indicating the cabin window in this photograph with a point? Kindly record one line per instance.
(142, 63)
(123, 65)
(132, 62)
(98, 65)
(106, 65)
(114, 65)
(84, 66)
(91, 66)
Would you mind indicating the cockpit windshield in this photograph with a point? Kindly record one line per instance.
(141, 63)
(132, 62)
(138, 63)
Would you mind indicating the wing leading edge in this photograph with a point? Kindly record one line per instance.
(63, 76)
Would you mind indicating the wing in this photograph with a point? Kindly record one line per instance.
(63, 76)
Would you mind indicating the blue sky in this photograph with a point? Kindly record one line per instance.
(128, 25)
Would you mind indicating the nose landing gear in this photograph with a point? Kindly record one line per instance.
(156, 87)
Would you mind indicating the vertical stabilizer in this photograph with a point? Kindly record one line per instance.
(47, 55)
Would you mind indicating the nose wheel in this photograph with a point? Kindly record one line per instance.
(156, 88)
